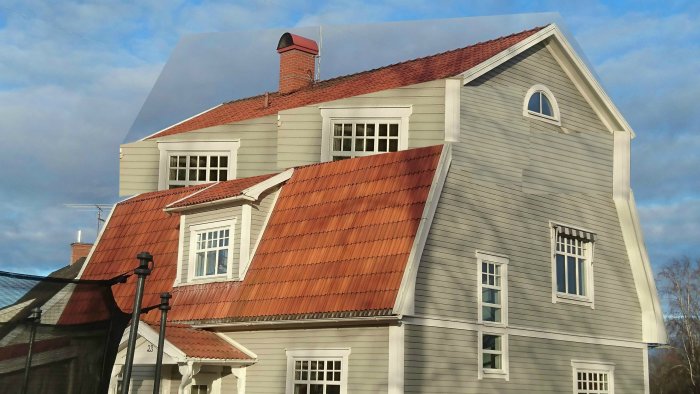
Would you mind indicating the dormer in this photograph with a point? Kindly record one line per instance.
(220, 227)
(187, 163)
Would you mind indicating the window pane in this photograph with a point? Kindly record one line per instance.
(347, 130)
(223, 261)
(394, 130)
(337, 143)
(199, 265)
(211, 261)
(182, 161)
(571, 274)
(193, 175)
(492, 361)
(359, 130)
(193, 161)
(173, 175)
(223, 161)
(491, 296)
(382, 129)
(370, 130)
(581, 278)
(181, 175)
(369, 145)
(491, 314)
(173, 161)
(202, 175)
(347, 145)
(561, 281)
(213, 175)
(223, 175)
(491, 342)
(393, 145)
(382, 146)
(316, 389)
(534, 103)
(202, 161)
(300, 389)
(546, 106)
(359, 145)
(333, 389)
(214, 161)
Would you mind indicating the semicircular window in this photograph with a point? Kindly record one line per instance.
(539, 104)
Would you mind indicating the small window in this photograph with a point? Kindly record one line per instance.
(492, 288)
(593, 377)
(194, 163)
(211, 251)
(572, 264)
(322, 371)
(541, 104)
(493, 355)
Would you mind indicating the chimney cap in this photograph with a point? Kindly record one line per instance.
(290, 41)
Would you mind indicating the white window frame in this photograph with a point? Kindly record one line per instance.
(595, 367)
(393, 114)
(209, 148)
(336, 354)
(203, 227)
(589, 298)
(504, 372)
(556, 119)
(502, 261)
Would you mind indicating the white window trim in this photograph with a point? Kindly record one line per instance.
(356, 114)
(342, 354)
(503, 373)
(194, 229)
(503, 262)
(166, 149)
(556, 119)
(589, 298)
(596, 366)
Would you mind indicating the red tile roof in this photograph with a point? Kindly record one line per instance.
(202, 344)
(337, 242)
(430, 68)
(220, 190)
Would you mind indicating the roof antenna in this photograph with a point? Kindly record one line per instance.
(317, 77)
(100, 211)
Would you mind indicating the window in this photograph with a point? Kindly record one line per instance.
(593, 377)
(211, 251)
(540, 104)
(353, 132)
(492, 288)
(572, 264)
(317, 371)
(193, 163)
(493, 355)
(199, 389)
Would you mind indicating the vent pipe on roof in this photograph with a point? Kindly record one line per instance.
(297, 62)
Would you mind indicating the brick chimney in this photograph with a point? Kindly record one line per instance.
(297, 62)
(79, 250)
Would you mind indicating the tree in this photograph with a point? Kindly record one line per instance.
(676, 369)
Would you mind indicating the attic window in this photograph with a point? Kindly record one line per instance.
(194, 163)
(540, 104)
(354, 132)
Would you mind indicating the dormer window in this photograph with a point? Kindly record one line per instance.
(196, 162)
(540, 104)
(211, 250)
(355, 132)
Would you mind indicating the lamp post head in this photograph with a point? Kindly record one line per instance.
(144, 268)
(35, 315)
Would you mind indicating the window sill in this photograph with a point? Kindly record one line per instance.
(544, 118)
(495, 374)
(572, 299)
(201, 281)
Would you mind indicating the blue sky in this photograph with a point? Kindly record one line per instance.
(74, 77)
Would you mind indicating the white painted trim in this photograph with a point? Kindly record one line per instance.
(405, 299)
(621, 165)
(330, 114)
(180, 251)
(256, 190)
(237, 345)
(597, 366)
(522, 331)
(342, 354)
(452, 109)
(167, 148)
(396, 359)
(240, 374)
(645, 365)
(556, 119)
(180, 122)
(167, 209)
(504, 372)
(503, 262)
(196, 228)
(281, 324)
(244, 249)
(653, 329)
(589, 298)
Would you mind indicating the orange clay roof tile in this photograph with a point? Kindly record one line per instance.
(202, 344)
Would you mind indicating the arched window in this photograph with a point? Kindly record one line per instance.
(541, 104)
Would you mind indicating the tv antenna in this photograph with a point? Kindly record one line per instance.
(100, 208)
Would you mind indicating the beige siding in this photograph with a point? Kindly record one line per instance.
(368, 360)
(501, 193)
(259, 213)
(299, 137)
(443, 360)
(257, 153)
(142, 379)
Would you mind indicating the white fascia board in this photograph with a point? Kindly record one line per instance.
(237, 345)
(180, 122)
(167, 207)
(146, 332)
(256, 190)
(405, 299)
(653, 329)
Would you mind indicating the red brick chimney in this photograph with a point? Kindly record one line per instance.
(297, 62)
(79, 250)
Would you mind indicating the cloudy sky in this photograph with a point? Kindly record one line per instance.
(77, 79)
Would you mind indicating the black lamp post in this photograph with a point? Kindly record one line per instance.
(164, 308)
(33, 319)
(141, 272)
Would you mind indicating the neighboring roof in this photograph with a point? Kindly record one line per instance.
(336, 243)
(430, 68)
(202, 344)
(40, 346)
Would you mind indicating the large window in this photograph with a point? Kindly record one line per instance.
(572, 264)
(540, 104)
(353, 132)
(193, 163)
(492, 288)
(317, 371)
(593, 377)
(211, 251)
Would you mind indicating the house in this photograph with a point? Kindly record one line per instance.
(461, 222)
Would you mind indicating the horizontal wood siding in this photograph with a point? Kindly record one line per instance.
(208, 216)
(257, 153)
(493, 202)
(368, 360)
(259, 213)
(299, 137)
(444, 360)
(142, 379)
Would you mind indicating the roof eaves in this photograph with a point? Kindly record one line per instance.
(167, 207)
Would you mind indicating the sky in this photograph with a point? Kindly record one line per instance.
(78, 78)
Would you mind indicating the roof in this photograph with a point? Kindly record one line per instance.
(220, 190)
(337, 242)
(21, 349)
(442, 65)
(202, 344)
